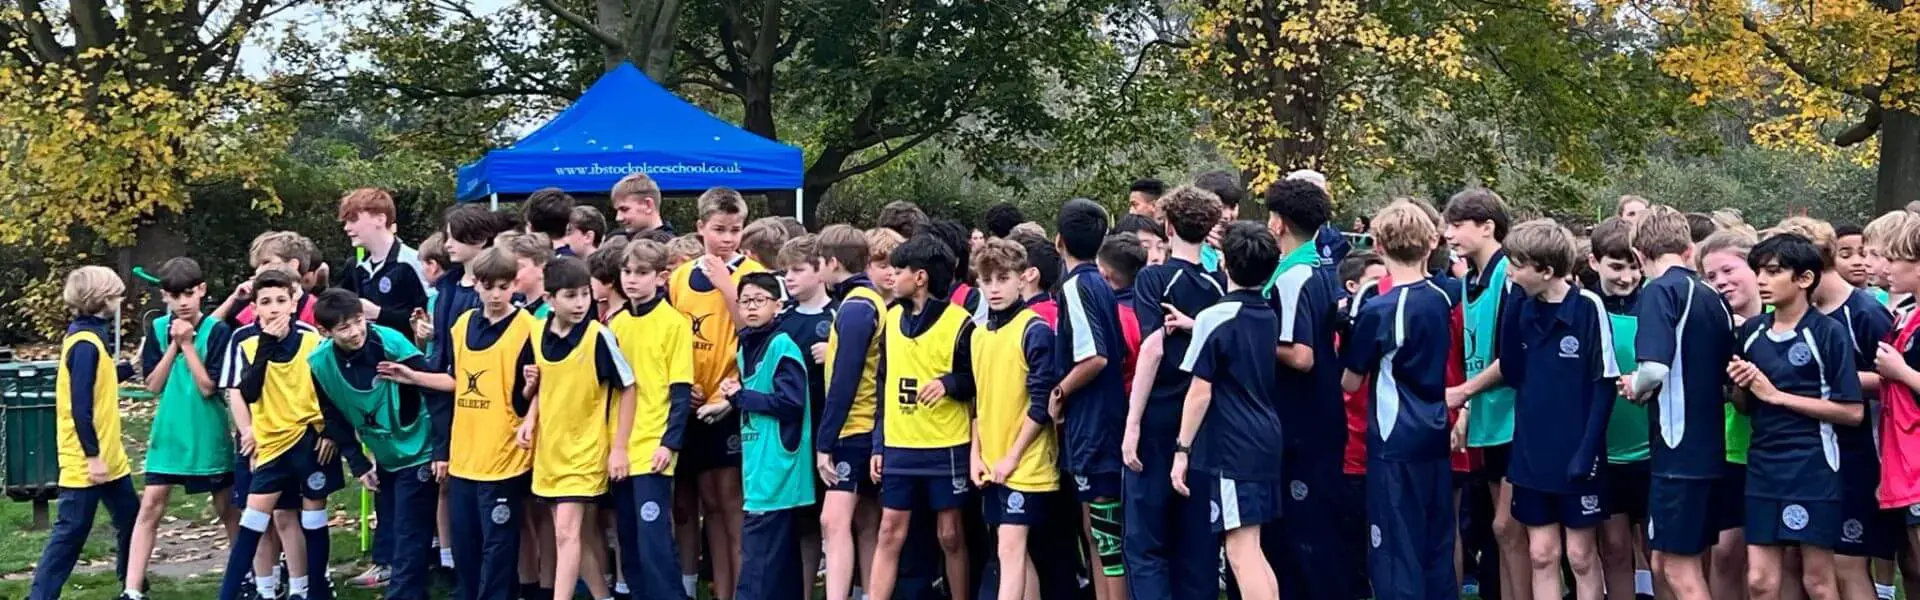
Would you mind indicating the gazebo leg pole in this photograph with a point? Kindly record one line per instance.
(494, 202)
(800, 205)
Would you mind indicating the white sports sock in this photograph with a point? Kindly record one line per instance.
(1885, 592)
(1643, 582)
(268, 586)
(620, 587)
(297, 586)
(446, 557)
(688, 582)
(133, 594)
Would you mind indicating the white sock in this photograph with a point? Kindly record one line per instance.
(1643, 582)
(619, 587)
(688, 582)
(446, 557)
(269, 586)
(1885, 592)
(133, 594)
(297, 586)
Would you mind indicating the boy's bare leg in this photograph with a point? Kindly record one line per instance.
(1729, 566)
(153, 505)
(1854, 576)
(566, 533)
(293, 543)
(222, 502)
(546, 561)
(1763, 572)
(866, 533)
(443, 515)
(1583, 555)
(1683, 575)
(836, 527)
(953, 543)
(886, 553)
(1014, 566)
(1792, 584)
(1818, 575)
(1512, 539)
(1617, 556)
(1250, 567)
(593, 555)
(1543, 560)
(720, 496)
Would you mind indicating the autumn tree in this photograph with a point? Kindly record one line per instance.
(1824, 76)
(869, 81)
(110, 112)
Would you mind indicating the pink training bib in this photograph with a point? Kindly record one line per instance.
(1900, 432)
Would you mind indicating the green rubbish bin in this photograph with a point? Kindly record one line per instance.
(27, 412)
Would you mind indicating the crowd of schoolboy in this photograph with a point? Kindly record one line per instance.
(1158, 406)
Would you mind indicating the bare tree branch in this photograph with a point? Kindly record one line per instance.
(892, 153)
(1140, 60)
(1862, 131)
(429, 92)
(40, 33)
(583, 24)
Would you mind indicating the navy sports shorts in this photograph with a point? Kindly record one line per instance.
(1234, 504)
(1535, 508)
(851, 458)
(1008, 506)
(1728, 508)
(1627, 490)
(299, 472)
(1678, 515)
(1411, 529)
(1494, 461)
(1793, 522)
(710, 446)
(1913, 515)
(923, 492)
(1094, 486)
(194, 484)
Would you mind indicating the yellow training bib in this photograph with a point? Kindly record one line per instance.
(860, 414)
(106, 415)
(714, 339)
(913, 361)
(288, 405)
(1001, 401)
(571, 440)
(484, 422)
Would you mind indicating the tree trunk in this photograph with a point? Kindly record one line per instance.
(1899, 173)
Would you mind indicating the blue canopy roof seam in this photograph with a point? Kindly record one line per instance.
(626, 123)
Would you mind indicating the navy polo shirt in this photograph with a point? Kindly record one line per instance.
(1687, 327)
(1233, 350)
(1190, 289)
(1096, 414)
(1310, 402)
(1400, 339)
(806, 327)
(1794, 456)
(396, 282)
(1558, 356)
(1866, 322)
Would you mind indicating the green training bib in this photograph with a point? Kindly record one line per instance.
(774, 476)
(374, 413)
(1627, 428)
(1490, 420)
(193, 431)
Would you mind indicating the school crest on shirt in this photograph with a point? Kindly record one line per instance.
(1589, 504)
(1569, 347)
(1016, 503)
(650, 511)
(1298, 489)
(501, 513)
(823, 328)
(843, 470)
(317, 481)
(1852, 530)
(1800, 354)
(1794, 516)
(1080, 481)
(386, 285)
(1374, 532)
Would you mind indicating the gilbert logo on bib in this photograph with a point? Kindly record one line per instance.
(1569, 347)
(1794, 516)
(1800, 354)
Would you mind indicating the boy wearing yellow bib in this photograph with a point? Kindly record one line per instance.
(843, 439)
(705, 289)
(578, 369)
(921, 442)
(93, 461)
(775, 442)
(658, 343)
(277, 411)
(487, 473)
(1016, 452)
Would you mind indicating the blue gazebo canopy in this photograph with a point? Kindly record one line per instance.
(626, 123)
